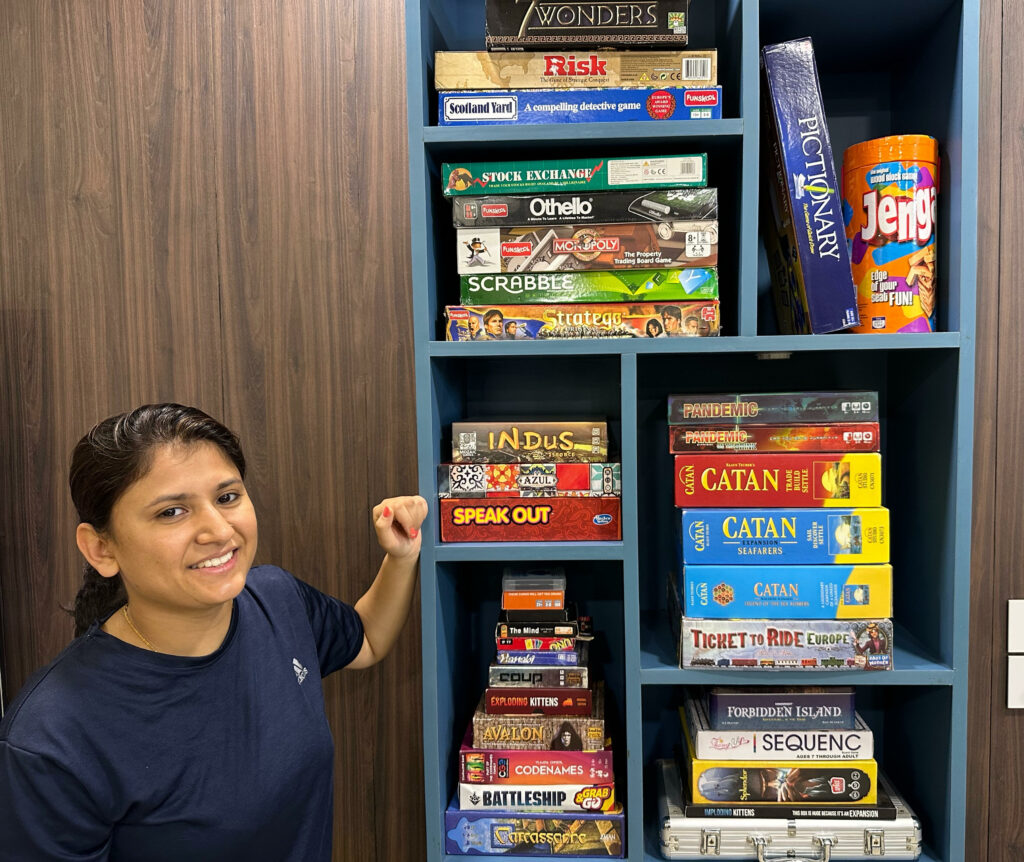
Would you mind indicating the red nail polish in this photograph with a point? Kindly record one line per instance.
(387, 512)
(413, 533)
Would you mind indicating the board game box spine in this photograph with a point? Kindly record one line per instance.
(536, 599)
(841, 437)
(809, 260)
(594, 174)
(519, 644)
(768, 536)
(554, 519)
(569, 626)
(773, 408)
(529, 442)
(582, 208)
(538, 798)
(563, 70)
(501, 675)
(544, 24)
(809, 783)
(586, 247)
(537, 701)
(791, 479)
(582, 320)
(751, 591)
(687, 284)
(788, 708)
(565, 479)
(745, 744)
(480, 766)
(551, 658)
(541, 732)
(559, 834)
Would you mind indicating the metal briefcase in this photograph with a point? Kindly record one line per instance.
(828, 839)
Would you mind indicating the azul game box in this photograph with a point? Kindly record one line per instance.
(772, 408)
(531, 519)
(529, 480)
(565, 70)
(841, 437)
(784, 536)
(618, 285)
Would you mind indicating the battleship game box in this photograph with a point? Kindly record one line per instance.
(529, 442)
(803, 225)
(614, 207)
(781, 707)
(544, 24)
(784, 536)
(793, 592)
(791, 479)
(529, 797)
(550, 519)
(582, 320)
(513, 833)
(620, 285)
(566, 175)
(558, 248)
(484, 766)
(570, 70)
(541, 732)
(842, 437)
(773, 408)
(529, 480)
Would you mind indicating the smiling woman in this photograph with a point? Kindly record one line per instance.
(180, 723)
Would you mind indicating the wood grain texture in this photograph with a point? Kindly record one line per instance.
(207, 202)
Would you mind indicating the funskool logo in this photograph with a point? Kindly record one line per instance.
(699, 98)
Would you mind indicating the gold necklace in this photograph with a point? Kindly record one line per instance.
(142, 637)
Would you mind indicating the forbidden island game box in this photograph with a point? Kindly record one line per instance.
(543, 24)
(512, 833)
(773, 408)
(565, 70)
(565, 175)
(584, 320)
(529, 480)
(613, 105)
(573, 248)
(621, 285)
(794, 592)
(803, 225)
(531, 519)
(782, 537)
(797, 479)
(842, 437)
(782, 707)
(498, 442)
(583, 207)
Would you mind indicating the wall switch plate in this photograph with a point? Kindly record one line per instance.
(1015, 682)
(1015, 626)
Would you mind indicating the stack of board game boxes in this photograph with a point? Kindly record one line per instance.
(530, 482)
(584, 248)
(549, 61)
(785, 766)
(535, 766)
(783, 541)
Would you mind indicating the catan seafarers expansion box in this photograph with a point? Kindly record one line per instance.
(567, 175)
(791, 592)
(524, 519)
(773, 408)
(529, 480)
(565, 70)
(784, 536)
(542, 24)
(529, 442)
(580, 208)
(566, 247)
(791, 479)
(621, 285)
(841, 437)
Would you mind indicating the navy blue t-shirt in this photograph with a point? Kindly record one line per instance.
(116, 753)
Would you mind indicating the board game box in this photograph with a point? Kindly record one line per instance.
(575, 658)
(537, 701)
(566, 834)
(752, 591)
(583, 208)
(541, 732)
(842, 437)
(573, 247)
(529, 480)
(542, 24)
(784, 536)
(537, 677)
(565, 175)
(564, 70)
(529, 442)
(773, 408)
(536, 624)
(519, 643)
(781, 707)
(529, 797)
(609, 320)
(508, 519)
(483, 766)
(783, 781)
(801, 479)
(618, 285)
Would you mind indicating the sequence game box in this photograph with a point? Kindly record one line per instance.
(609, 286)
(773, 408)
(842, 437)
(529, 480)
(549, 519)
(565, 70)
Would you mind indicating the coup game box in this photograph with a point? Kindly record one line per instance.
(773, 408)
(529, 442)
(548, 519)
(842, 437)
(537, 677)
(529, 480)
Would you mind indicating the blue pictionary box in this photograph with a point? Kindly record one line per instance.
(779, 537)
(533, 107)
(786, 592)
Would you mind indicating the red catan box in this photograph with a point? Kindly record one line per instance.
(531, 519)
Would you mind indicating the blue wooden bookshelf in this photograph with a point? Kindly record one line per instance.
(886, 68)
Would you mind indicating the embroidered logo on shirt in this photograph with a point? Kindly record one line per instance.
(300, 671)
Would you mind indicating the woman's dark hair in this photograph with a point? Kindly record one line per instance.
(110, 458)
